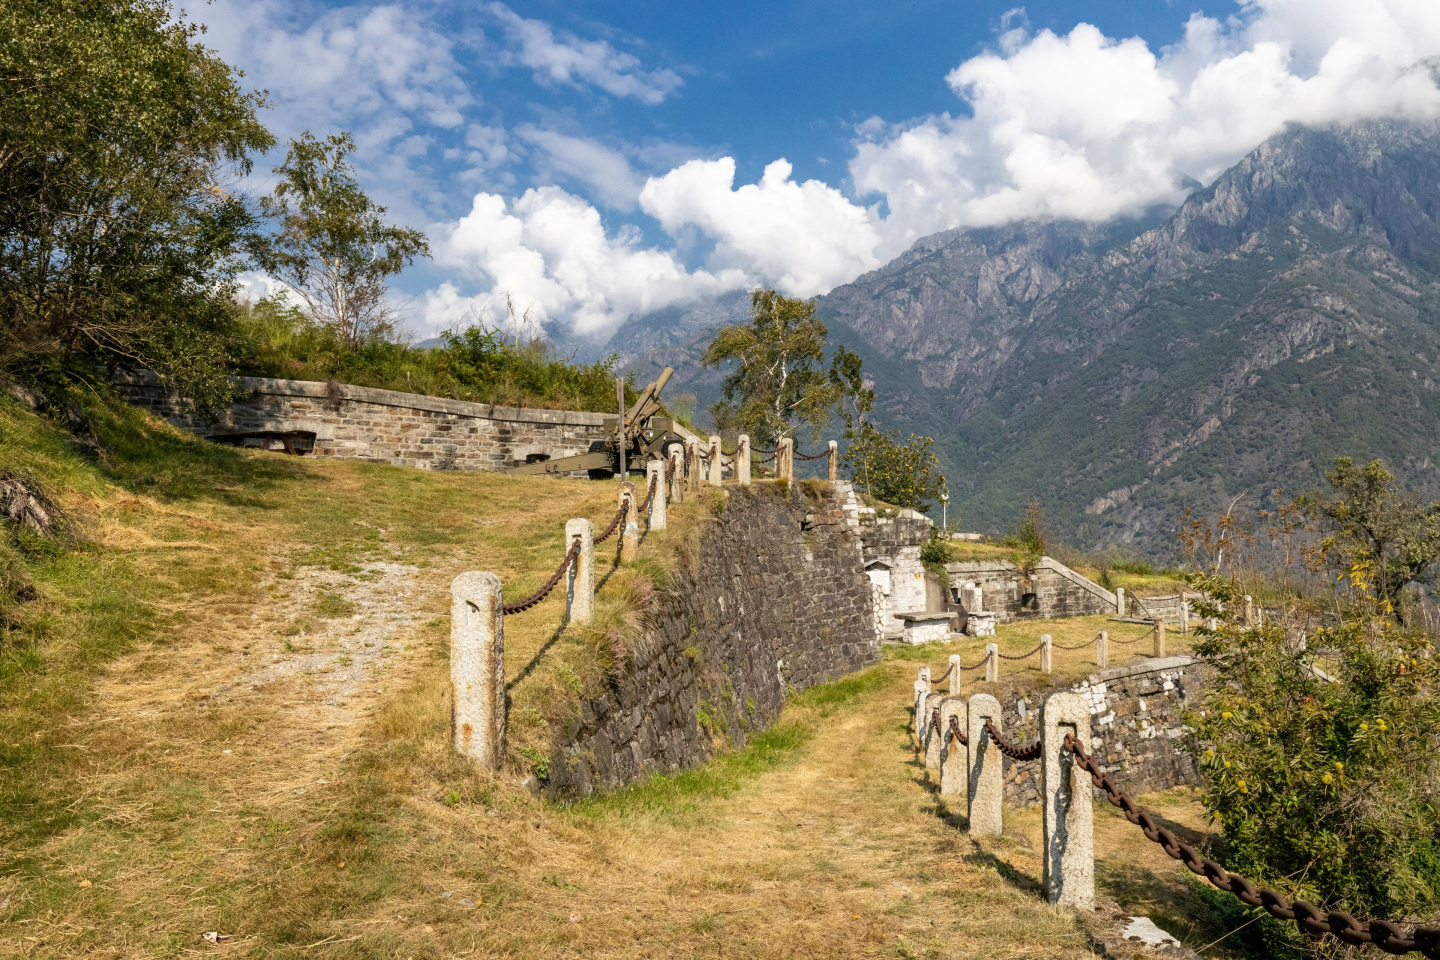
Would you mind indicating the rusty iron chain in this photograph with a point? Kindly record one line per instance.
(1010, 750)
(1311, 919)
(649, 493)
(520, 606)
(817, 456)
(1126, 643)
(943, 676)
(1078, 646)
(957, 733)
(983, 660)
(615, 522)
(1023, 656)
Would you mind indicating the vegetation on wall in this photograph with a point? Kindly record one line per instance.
(478, 364)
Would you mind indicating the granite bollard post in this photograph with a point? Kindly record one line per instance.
(954, 758)
(785, 459)
(986, 779)
(832, 462)
(932, 733)
(992, 662)
(1102, 649)
(1184, 616)
(677, 475)
(1069, 831)
(629, 524)
(717, 465)
(1045, 647)
(921, 690)
(1120, 601)
(655, 470)
(580, 578)
(1159, 650)
(1249, 611)
(742, 460)
(477, 668)
(693, 477)
(954, 674)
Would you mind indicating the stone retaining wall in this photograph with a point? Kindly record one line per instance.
(1050, 590)
(384, 426)
(1136, 727)
(776, 600)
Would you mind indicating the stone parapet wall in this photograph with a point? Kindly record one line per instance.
(1137, 728)
(1048, 591)
(383, 426)
(775, 600)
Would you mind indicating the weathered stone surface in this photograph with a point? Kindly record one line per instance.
(986, 771)
(771, 603)
(1051, 589)
(1068, 871)
(932, 733)
(580, 578)
(954, 758)
(1137, 729)
(655, 473)
(384, 426)
(477, 668)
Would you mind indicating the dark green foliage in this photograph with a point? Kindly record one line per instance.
(1366, 525)
(777, 385)
(477, 365)
(118, 239)
(900, 474)
(331, 245)
(1325, 790)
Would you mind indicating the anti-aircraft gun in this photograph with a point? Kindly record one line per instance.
(645, 436)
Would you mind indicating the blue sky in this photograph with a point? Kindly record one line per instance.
(596, 159)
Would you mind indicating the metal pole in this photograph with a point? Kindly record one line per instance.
(620, 437)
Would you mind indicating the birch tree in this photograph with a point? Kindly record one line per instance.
(778, 385)
(332, 246)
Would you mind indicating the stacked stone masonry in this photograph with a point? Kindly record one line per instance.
(1137, 729)
(775, 600)
(382, 426)
(1050, 590)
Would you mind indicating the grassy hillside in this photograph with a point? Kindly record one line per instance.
(226, 710)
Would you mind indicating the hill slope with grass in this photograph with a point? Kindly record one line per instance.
(224, 709)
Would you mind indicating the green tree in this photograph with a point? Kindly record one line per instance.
(119, 134)
(332, 246)
(1320, 758)
(902, 474)
(1365, 522)
(778, 384)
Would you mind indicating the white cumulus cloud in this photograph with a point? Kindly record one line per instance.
(1088, 126)
(803, 237)
(551, 253)
(1075, 124)
(568, 59)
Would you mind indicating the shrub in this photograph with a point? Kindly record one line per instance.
(477, 365)
(1327, 789)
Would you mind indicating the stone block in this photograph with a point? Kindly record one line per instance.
(1068, 873)
(477, 668)
(986, 776)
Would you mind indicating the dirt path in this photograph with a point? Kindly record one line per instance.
(845, 852)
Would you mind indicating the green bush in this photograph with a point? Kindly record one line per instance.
(1327, 789)
(476, 365)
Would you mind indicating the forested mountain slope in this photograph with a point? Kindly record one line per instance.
(1285, 314)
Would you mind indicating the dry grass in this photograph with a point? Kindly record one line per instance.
(174, 780)
(1015, 639)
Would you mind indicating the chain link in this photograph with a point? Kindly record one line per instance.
(818, 456)
(1078, 646)
(619, 515)
(1382, 933)
(1023, 656)
(520, 606)
(1010, 750)
(957, 733)
(1126, 643)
